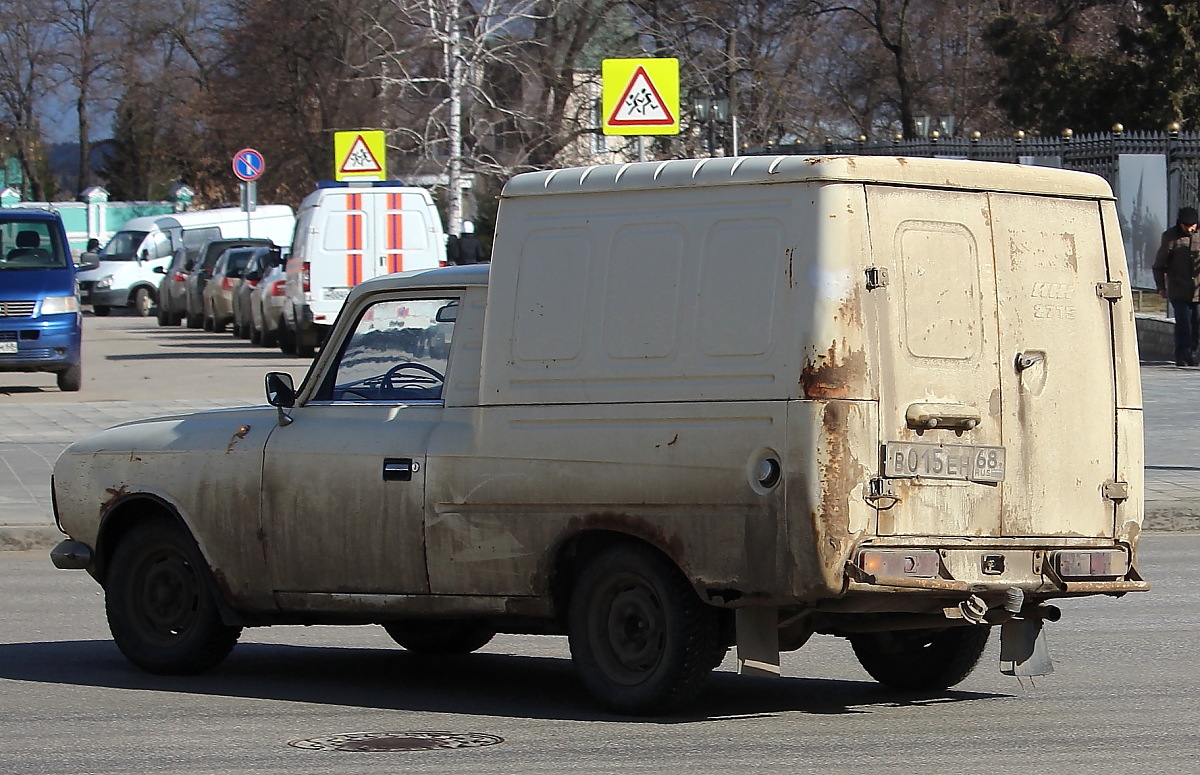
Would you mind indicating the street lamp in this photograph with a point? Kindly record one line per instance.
(710, 110)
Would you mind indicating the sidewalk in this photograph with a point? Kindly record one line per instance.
(32, 435)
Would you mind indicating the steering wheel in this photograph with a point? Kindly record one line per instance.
(425, 375)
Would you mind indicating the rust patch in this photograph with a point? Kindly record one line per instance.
(840, 472)
(238, 435)
(832, 375)
(114, 495)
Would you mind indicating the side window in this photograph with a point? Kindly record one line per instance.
(161, 247)
(398, 352)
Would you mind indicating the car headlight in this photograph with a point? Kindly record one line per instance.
(104, 283)
(59, 305)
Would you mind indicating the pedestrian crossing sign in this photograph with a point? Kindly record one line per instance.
(360, 155)
(640, 96)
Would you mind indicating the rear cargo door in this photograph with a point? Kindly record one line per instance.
(939, 378)
(1057, 366)
(996, 380)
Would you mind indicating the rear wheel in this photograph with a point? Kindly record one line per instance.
(160, 608)
(440, 638)
(193, 321)
(921, 660)
(71, 380)
(287, 339)
(641, 639)
(143, 302)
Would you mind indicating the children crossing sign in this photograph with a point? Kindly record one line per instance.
(359, 155)
(640, 96)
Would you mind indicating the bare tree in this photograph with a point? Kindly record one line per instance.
(26, 63)
(88, 51)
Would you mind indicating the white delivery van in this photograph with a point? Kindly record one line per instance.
(126, 276)
(346, 233)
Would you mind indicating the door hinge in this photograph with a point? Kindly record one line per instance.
(1111, 291)
(1116, 491)
(877, 277)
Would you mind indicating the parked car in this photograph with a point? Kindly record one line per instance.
(266, 307)
(172, 292)
(40, 322)
(259, 264)
(218, 291)
(202, 271)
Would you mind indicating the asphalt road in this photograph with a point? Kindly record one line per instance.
(1122, 700)
(127, 358)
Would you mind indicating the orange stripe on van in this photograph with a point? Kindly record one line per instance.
(395, 233)
(354, 239)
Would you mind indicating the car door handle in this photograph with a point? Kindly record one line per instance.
(399, 469)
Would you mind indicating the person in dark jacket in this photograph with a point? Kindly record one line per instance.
(467, 248)
(1177, 277)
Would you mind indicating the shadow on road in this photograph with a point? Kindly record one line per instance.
(485, 684)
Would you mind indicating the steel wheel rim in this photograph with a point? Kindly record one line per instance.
(168, 593)
(628, 629)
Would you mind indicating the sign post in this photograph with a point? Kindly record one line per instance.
(248, 165)
(640, 97)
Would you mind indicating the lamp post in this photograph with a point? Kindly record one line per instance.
(710, 110)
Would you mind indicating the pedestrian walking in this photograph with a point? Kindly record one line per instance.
(1177, 277)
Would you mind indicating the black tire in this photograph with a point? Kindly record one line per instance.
(641, 640)
(143, 302)
(921, 660)
(163, 318)
(71, 380)
(287, 338)
(255, 334)
(268, 338)
(160, 606)
(440, 638)
(101, 310)
(193, 321)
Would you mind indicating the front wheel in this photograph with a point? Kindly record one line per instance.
(143, 302)
(921, 660)
(440, 638)
(641, 640)
(71, 380)
(160, 609)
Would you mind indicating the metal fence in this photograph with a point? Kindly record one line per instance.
(1095, 153)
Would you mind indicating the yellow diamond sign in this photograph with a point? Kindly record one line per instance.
(640, 96)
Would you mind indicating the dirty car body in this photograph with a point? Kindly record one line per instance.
(690, 405)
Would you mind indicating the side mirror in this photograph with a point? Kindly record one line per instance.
(159, 270)
(88, 261)
(281, 394)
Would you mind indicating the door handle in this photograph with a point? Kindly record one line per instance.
(959, 417)
(399, 469)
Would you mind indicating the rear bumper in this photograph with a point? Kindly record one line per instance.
(50, 343)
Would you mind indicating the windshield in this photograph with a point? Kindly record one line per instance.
(30, 245)
(123, 245)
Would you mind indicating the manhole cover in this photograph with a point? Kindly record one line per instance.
(396, 741)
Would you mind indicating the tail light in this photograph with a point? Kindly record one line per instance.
(306, 276)
(227, 283)
(251, 283)
(279, 288)
(179, 277)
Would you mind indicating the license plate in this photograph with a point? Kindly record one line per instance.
(8, 348)
(968, 462)
(334, 294)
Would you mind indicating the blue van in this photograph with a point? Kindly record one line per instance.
(40, 321)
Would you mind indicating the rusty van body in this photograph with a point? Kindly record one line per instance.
(691, 404)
